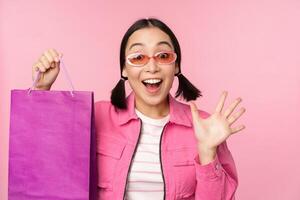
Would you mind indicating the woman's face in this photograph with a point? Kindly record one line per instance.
(149, 41)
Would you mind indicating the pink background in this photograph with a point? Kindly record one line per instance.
(250, 48)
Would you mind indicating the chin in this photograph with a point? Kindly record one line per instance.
(155, 99)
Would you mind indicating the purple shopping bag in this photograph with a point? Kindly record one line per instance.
(52, 152)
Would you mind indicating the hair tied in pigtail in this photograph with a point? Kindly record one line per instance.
(118, 94)
(186, 88)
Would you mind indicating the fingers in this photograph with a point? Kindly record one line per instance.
(49, 59)
(237, 129)
(221, 102)
(195, 112)
(39, 66)
(55, 54)
(233, 118)
(230, 109)
(45, 62)
(53, 57)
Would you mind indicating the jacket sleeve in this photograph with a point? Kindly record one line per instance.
(218, 179)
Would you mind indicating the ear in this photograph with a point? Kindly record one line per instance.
(124, 71)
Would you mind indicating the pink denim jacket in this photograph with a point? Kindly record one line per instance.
(184, 178)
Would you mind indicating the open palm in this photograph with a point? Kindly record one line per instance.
(216, 128)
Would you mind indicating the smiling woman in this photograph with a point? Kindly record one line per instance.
(151, 38)
(151, 146)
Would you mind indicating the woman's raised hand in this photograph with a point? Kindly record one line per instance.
(216, 128)
(48, 65)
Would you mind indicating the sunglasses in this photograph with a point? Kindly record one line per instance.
(140, 59)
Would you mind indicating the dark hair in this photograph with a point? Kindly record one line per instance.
(185, 87)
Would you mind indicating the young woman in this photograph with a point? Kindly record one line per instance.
(149, 145)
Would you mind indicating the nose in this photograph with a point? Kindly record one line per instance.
(152, 66)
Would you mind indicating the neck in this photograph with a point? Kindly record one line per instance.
(153, 111)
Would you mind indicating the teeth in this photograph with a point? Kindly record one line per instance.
(152, 81)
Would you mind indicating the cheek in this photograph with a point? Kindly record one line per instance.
(169, 82)
(133, 77)
(170, 74)
(171, 78)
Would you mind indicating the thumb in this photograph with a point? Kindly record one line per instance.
(195, 112)
(57, 61)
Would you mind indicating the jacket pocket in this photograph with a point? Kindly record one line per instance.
(184, 172)
(183, 156)
(109, 152)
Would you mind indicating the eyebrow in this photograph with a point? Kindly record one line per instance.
(160, 43)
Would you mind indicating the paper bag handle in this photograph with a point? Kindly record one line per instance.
(65, 72)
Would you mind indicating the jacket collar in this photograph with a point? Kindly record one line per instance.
(179, 112)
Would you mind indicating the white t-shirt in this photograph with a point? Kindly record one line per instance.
(145, 178)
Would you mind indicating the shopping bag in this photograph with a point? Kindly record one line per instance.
(52, 146)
